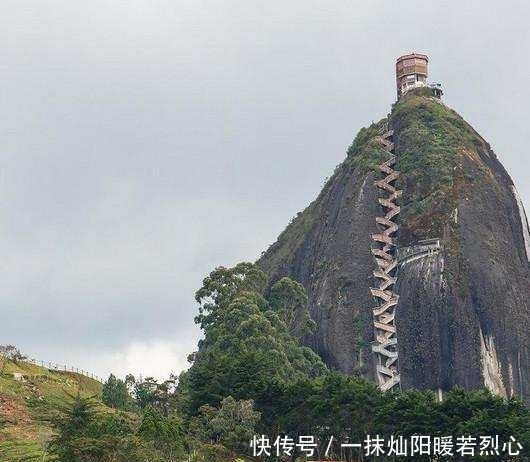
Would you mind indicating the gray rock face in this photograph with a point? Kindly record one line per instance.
(463, 313)
(334, 263)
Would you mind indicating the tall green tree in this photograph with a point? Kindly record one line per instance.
(247, 347)
(115, 394)
(221, 287)
(288, 299)
(150, 392)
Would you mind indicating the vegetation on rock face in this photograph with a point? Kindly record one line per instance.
(431, 143)
(363, 157)
(455, 189)
(365, 152)
(470, 293)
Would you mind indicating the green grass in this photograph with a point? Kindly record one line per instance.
(26, 408)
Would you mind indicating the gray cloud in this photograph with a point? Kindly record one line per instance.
(147, 142)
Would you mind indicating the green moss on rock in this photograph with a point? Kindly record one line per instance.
(431, 144)
(365, 152)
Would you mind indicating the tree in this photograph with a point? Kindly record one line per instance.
(222, 285)
(130, 382)
(86, 435)
(232, 425)
(330, 405)
(288, 299)
(115, 393)
(408, 413)
(244, 352)
(10, 353)
(145, 392)
(166, 434)
(148, 392)
(479, 412)
(247, 346)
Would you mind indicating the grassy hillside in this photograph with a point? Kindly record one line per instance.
(27, 406)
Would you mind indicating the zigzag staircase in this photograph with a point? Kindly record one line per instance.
(383, 249)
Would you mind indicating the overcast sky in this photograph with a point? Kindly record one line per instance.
(146, 142)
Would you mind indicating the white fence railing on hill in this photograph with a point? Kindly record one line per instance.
(63, 368)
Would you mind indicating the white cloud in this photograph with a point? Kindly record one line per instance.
(156, 358)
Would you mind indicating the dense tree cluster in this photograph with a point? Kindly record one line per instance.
(248, 347)
(84, 434)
